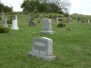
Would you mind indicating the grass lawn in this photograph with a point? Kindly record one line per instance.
(71, 48)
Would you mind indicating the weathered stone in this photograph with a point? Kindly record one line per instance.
(43, 47)
(15, 24)
(47, 26)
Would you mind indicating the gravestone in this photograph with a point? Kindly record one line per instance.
(31, 22)
(43, 47)
(69, 19)
(15, 23)
(5, 23)
(47, 26)
(78, 19)
(89, 21)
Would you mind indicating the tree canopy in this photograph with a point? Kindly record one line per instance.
(5, 8)
(43, 5)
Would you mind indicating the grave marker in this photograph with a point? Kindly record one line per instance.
(47, 26)
(15, 23)
(43, 47)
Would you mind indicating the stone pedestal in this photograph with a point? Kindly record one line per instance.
(42, 47)
(47, 26)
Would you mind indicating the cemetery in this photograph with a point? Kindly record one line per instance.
(44, 40)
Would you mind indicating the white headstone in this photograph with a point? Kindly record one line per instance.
(89, 21)
(47, 26)
(5, 23)
(43, 47)
(15, 24)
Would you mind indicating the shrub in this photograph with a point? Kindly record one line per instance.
(50, 16)
(61, 25)
(4, 30)
(0, 18)
(9, 21)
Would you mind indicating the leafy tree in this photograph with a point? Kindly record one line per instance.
(45, 5)
(5, 8)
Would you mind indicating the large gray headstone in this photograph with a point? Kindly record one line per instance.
(47, 26)
(15, 24)
(43, 47)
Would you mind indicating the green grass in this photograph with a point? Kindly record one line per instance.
(71, 48)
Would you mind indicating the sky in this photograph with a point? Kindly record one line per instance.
(77, 6)
(81, 7)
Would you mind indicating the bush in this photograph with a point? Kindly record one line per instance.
(60, 25)
(0, 18)
(9, 21)
(4, 30)
(50, 16)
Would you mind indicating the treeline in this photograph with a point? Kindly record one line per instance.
(37, 6)
(5, 8)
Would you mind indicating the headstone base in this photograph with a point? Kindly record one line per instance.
(48, 58)
(14, 28)
(47, 32)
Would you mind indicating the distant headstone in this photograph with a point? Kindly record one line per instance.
(89, 21)
(78, 19)
(31, 22)
(5, 23)
(69, 19)
(47, 26)
(43, 47)
(15, 23)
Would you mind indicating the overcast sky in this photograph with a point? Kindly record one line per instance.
(77, 6)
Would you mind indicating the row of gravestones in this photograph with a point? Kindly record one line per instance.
(14, 22)
(81, 19)
(66, 19)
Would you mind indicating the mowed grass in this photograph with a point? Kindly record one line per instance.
(71, 48)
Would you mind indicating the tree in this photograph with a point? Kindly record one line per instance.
(5, 8)
(44, 5)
